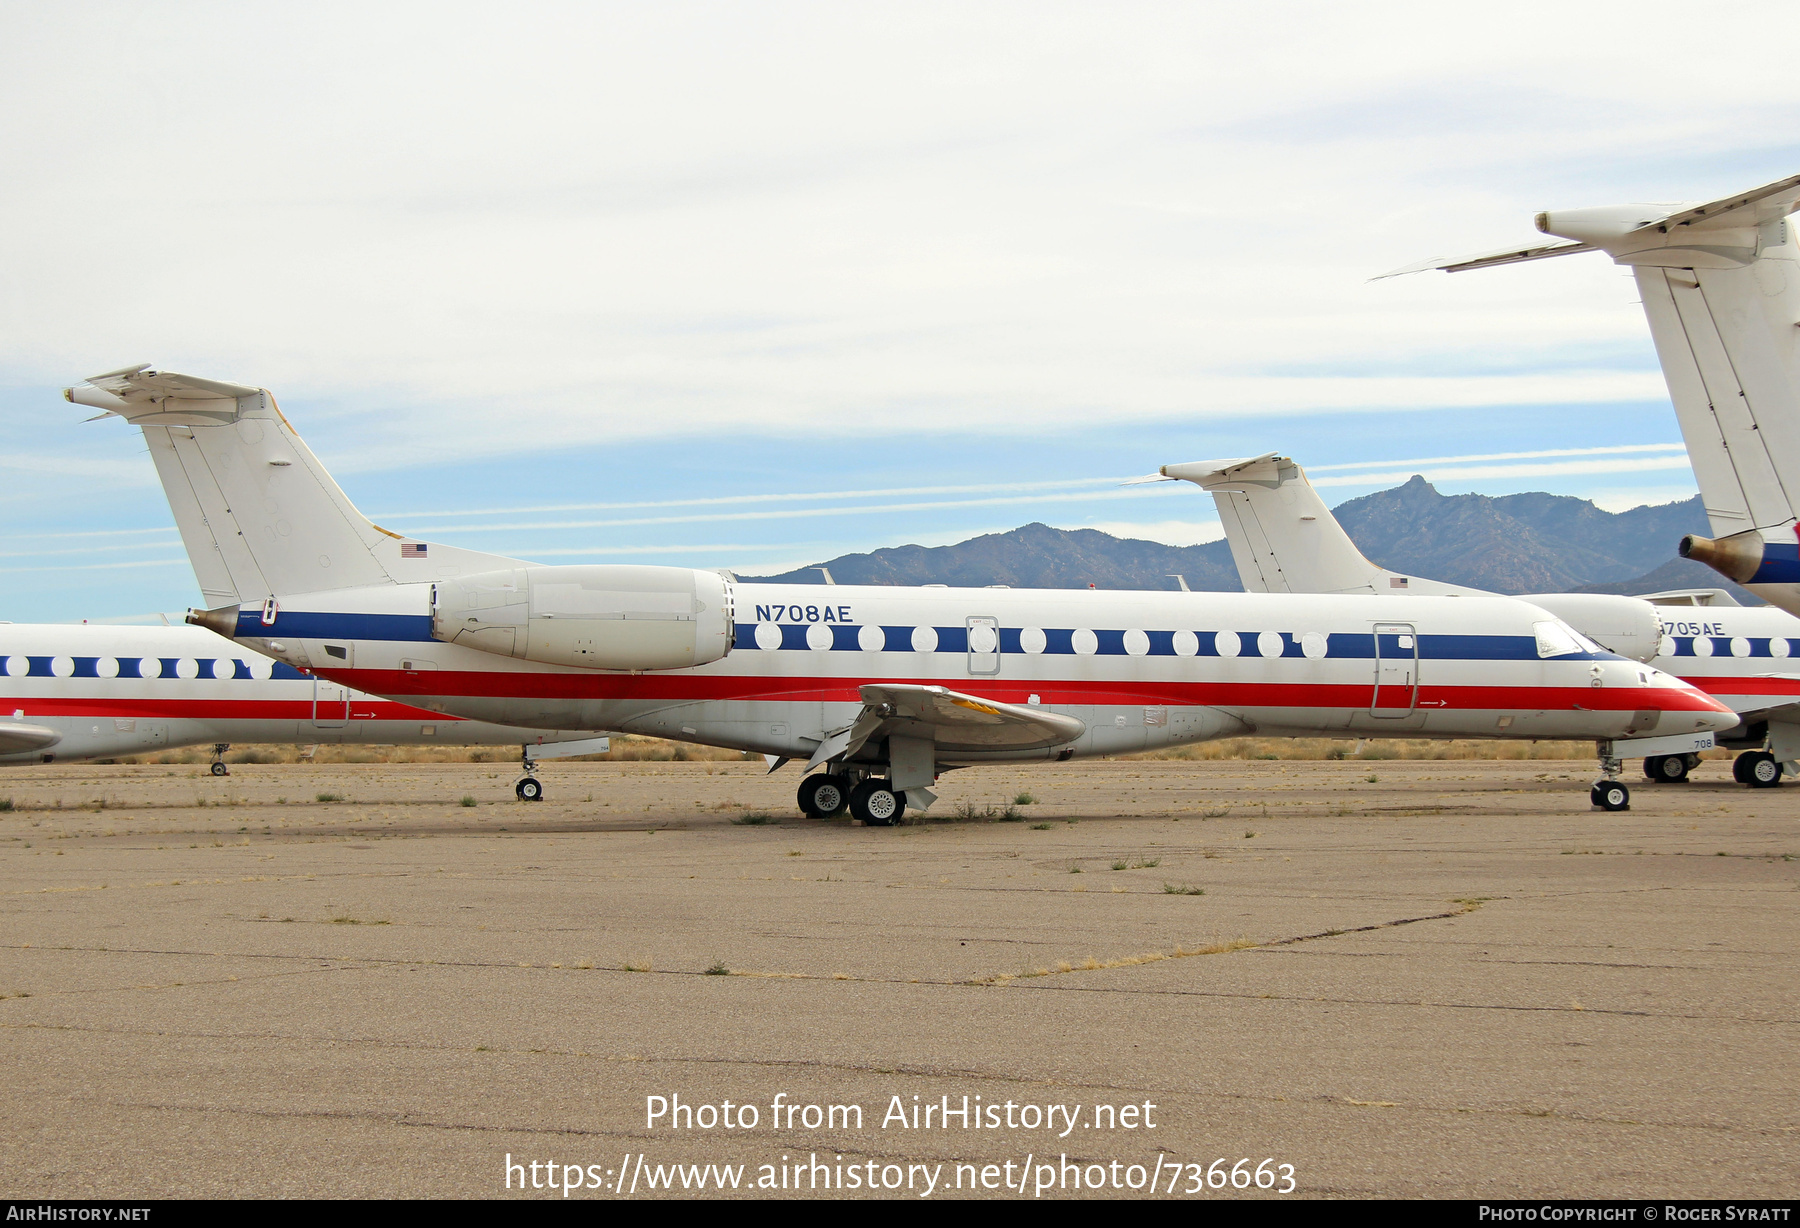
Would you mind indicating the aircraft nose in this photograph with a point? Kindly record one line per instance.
(1708, 714)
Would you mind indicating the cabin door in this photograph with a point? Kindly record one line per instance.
(331, 704)
(984, 647)
(1396, 670)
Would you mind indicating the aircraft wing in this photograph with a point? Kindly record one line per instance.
(1781, 706)
(16, 739)
(950, 719)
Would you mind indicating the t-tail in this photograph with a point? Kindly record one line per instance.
(287, 563)
(1285, 540)
(1720, 284)
(258, 513)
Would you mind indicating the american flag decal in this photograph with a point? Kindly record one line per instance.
(412, 550)
(1393, 581)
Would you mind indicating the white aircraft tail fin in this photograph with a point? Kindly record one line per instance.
(1283, 537)
(1282, 533)
(258, 513)
(1721, 287)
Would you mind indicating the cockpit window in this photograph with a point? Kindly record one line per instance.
(1558, 639)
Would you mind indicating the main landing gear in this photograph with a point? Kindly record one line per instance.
(218, 763)
(529, 788)
(1610, 792)
(1670, 769)
(823, 796)
(871, 800)
(1757, 768)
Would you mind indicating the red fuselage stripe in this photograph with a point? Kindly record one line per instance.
(224, 709)
(695, 688)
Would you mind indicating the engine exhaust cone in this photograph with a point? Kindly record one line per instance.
(222, 621)
(1736, 557)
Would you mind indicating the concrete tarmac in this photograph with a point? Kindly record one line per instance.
(1401, 978)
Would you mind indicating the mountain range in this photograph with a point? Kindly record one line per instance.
(1525, 543)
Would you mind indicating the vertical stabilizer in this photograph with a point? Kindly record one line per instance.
(1720, 284)
(258, 513)
(1283, 538)
(1279, 527)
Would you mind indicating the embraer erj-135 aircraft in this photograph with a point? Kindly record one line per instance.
(82, 691)
(1721, 288)
(1284, 539)
(884, 687)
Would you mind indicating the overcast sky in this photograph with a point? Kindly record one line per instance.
(755, 285)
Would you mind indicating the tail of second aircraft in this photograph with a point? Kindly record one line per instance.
(1283, 538)
(258, 513)
(1721, 288)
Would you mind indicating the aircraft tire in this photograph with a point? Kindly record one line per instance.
(530, 789)
(820, 797)
(1762, 771)
(876, 804)
(1756, 768)
(1666, 769)
(1610, 795)
(219, 769)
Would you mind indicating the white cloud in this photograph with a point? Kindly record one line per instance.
(448, 231)
(1489, 473)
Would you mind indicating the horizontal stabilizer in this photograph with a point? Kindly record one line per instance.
(1759, 205)
(1488, 260)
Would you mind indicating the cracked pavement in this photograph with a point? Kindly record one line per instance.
(1455, 979)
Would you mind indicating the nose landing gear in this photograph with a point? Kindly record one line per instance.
(1610, 795)
(1610, 792)
(218, 763)
(529, 788)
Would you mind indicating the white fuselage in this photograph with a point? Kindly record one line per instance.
(107, 691)
(1139, 670)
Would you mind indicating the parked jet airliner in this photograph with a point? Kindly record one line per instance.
(82, 691)
(885, 687)
(1283, 538)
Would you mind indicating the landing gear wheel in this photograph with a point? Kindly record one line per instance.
(1610, 795)
(530, 789)
(219, 768)
(820, 797)
(1758, 769)
(1666, 769)
(876, 803)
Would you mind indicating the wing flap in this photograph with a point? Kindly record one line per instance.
(955, 721)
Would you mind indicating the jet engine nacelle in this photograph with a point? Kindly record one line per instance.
(1629, 626)
(596, 617)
